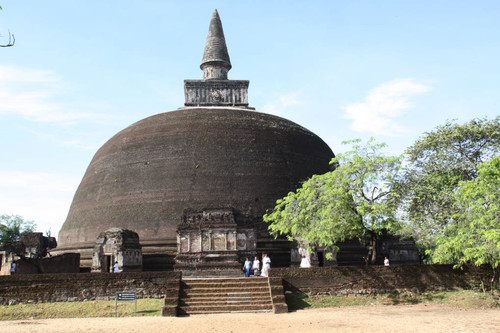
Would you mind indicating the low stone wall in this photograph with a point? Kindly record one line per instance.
(38, 288)
(352, 280)
(342, 280)
(65, 263)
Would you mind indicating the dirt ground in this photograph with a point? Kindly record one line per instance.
(404, 318)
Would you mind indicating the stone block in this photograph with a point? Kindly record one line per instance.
(280, 308)
(169, 311)
(279, 299)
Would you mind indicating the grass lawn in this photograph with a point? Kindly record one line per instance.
(145, 307)
(152, 307)
(461, 298)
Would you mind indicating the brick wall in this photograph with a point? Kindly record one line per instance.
(65, 263)
(351, 280)
(342, 280)
(35, 288)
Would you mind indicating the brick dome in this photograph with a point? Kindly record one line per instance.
(146, 176)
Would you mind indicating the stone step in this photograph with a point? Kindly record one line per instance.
(225, 282)
(201, 312)
(218, 295)
(183, 310)
(194, 281)
(225, 302)
(223, 295)
(225, 285)
(224, 279)
(229, 289)
(233, 279)
(248, 282)
(209, 274)
(219, 291)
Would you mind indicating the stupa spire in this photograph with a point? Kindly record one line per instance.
(215, 63)
(215, 89)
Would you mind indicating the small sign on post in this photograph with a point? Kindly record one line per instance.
(125, 296)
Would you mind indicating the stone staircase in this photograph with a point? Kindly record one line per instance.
(219, 295)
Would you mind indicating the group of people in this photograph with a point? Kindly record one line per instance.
(254, 266)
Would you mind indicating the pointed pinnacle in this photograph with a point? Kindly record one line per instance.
(215, 47)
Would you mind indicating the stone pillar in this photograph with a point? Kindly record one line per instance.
(201, 241)
(235, 240)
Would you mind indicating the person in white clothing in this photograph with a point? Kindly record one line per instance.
(386, 261)
(256, 266)
(13, 268)
(266, 265)
(305, 262)
(116, 268)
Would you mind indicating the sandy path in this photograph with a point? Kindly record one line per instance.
(408, 318)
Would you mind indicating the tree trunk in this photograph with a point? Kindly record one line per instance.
(372, 253)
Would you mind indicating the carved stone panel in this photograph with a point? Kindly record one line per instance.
(216, 92)
(214, 242)
(206, 242)
(241, 243)
(184, 242)
(195, 242)
(219, 241)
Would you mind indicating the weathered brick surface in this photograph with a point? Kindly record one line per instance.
(147, 175)
(172, 294)
(346, 280)
(277, 295)
(65, 263)
(39, 288)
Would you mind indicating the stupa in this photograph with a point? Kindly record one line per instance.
(194, 183)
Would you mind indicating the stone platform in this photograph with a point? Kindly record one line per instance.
(223, 295)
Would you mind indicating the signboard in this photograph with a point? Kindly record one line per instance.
(126, 296)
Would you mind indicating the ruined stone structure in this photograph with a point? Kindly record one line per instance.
(117, 245)
(194, 183)
(317, 255)
(6, 260)
(213, 240)
(31, 256)
(37, 245)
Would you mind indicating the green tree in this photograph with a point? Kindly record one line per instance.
(437, 163)
(474, 233)
(12, 226)
(356, 200)
(12, 39)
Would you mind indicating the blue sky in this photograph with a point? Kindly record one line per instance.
(83, 70)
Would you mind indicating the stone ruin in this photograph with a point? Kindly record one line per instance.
(31, 255)
(317, 255)
(36, 245)
(6, 260)
(119, 245)
(211, 240)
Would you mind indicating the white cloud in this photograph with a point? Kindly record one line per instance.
(31, 94)
(23, 75)
(42, 197)
(279, 106)
(383, 104)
